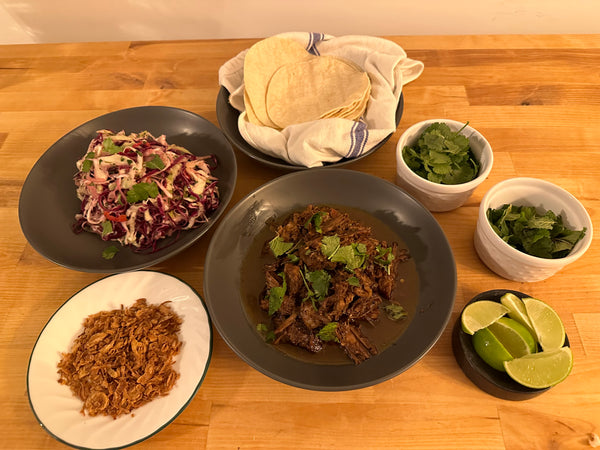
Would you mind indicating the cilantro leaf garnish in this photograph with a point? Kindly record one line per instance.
(319, 280)
(327, 333)
(110, 147)
(384, 257)
(142, 191)
(329, 245)
(279, 246)
(353, 281)
(353, 255)
(395, 312)
(268, 334)
(541, 235)
(316, 220)
(276, 295)
(110, 251)
(86, 165)
(155, 163)
(107, 227)
(442, 156)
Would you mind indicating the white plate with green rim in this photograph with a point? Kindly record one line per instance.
(58, 410)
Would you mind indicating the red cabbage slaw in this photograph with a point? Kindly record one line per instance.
(137, 189)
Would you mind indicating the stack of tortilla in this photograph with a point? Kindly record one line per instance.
(284, 85)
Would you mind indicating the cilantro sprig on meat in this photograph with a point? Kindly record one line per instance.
(541, 235)
(442, 156)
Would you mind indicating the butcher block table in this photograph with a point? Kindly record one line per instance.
(535, 98)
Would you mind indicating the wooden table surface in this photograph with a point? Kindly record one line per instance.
(535, 98)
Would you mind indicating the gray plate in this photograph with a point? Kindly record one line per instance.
(48, 201)
(227, 116)
(383, 200)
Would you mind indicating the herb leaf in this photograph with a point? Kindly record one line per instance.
(384, 257)
(329, 245)
(353, 255)
(327, 333)
(155, 163)
(268, 334)
(276, 295)
(110, 147)
(86, 165)
(541, 235)
(279, 246)
(110, 252)
(319, 280)
(353, 281)
(395, 312)
(142, 191)
(316, 220)
(107, 227)
(441, 155)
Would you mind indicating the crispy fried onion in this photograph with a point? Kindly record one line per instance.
(123, 358)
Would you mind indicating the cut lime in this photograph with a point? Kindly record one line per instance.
(517, 311)
(479, 315)
(548, 327)
(513, 336)
(541, 370)
(490, 349)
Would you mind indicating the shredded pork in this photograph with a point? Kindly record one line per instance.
(329, 277)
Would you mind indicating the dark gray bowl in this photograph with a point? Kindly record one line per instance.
(227, 116)
(48, 201)
(496, 383)
(383, 200)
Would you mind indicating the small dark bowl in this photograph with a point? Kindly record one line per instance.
(496, 383)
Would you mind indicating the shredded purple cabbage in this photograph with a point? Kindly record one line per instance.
(137, 189)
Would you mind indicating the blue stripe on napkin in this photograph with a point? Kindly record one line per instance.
(313, 40)
(358, 139)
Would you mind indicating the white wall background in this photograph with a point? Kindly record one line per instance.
(43, 21)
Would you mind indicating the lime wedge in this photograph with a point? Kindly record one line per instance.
(513, 336)
(548, 327)
(479, 315)
(490, 349)
(517, 311)
(541, 370)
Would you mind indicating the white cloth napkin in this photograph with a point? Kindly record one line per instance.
(312, 143)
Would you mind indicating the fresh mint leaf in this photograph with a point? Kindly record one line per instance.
(110, 252)
(110, 147)
(142, 191)
(155, 163)
(279, 246)
(276, 295)
(327, 333)
(395, 312)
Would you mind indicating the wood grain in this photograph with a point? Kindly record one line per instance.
(536, 99)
